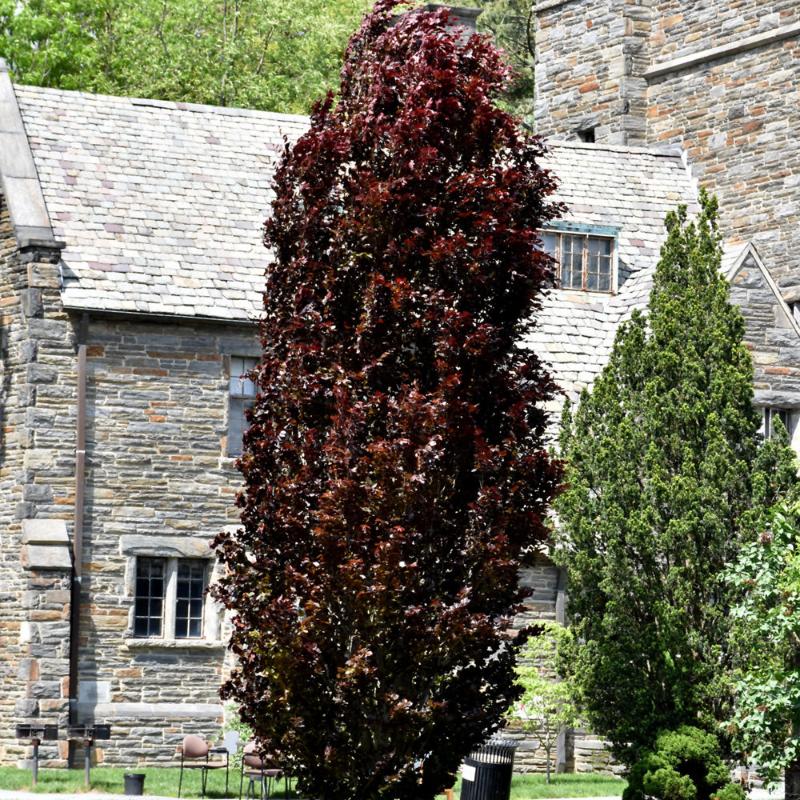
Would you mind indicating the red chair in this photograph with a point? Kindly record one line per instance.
(196, 749)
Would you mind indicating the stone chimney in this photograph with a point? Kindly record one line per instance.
(465, 17)
(462, 18)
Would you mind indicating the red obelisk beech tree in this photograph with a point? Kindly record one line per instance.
(394, 469)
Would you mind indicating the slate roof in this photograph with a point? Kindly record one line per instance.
(629, 188)
(161, 206)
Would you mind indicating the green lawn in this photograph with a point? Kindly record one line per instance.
(530, 787)
(164, 781)
(159, 781)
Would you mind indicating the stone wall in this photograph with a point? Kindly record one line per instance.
(771, 338)
(737, 117)
(158, 483)
(717, 80)
(579, 68)
(591, 56)
(36, 481)
(580, 750)
(683, 27)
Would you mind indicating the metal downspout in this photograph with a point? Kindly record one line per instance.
(77, 540)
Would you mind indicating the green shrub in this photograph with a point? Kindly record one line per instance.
(730, 791)
(684, 764)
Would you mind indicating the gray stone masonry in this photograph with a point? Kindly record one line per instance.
(771, 337)
(36, 381)
(729, 96)
(581, 751)
(158, 483)
(737, 120)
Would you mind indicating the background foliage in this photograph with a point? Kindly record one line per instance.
(666, 478)
(766, 576)
(512, 25)
(547, 705)
(265, 54)
(395, 470)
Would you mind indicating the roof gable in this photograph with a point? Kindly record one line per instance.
(746, 258)
(160, 204)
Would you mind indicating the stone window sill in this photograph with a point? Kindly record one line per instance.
(173, 644)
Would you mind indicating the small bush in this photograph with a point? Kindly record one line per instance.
(684, 764)
(731, 791)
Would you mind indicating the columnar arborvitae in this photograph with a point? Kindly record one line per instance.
(665, 479)
(395, 473)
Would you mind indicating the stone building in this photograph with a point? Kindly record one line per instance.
(130, 272)
(717, 84)
(720, 80)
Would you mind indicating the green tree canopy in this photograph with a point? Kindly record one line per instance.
(261, 54)
(547, 705)
(665, 479)
(511, 23)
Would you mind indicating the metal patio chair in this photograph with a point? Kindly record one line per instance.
(258, 773)
(196, 754)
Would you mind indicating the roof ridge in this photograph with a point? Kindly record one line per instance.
(665, 151)
(172, 105)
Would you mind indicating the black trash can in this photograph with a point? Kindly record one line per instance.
(486, 772)
(134, 783)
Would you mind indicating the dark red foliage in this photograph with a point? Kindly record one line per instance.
(394, 468)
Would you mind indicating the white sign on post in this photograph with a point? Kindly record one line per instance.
(467, 772)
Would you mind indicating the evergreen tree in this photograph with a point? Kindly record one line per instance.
(665, 479)
(395, 471)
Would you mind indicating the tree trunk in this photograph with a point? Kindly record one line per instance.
(792, 777)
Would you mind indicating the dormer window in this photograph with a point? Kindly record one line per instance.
(585, 259)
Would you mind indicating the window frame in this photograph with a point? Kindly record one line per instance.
(606, 233)
(149, 598)
(169, 600)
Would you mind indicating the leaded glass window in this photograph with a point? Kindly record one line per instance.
(170, 598)
(585, 262)
(149, 604)
(242, 393)
(189, 599)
